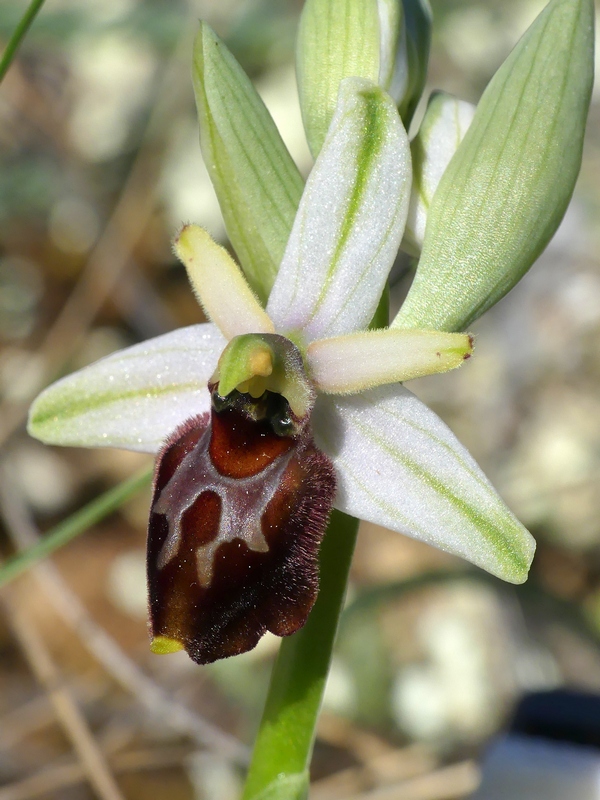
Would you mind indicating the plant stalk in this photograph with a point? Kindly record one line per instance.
(18, 35)
(283, 748)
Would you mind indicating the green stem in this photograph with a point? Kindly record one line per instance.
(18, 35)
(281, 757)
(280, 761)
(79, 522)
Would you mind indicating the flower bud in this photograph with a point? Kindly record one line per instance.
(509, 183)
(383, 41)
(412, 58)
(442, 129)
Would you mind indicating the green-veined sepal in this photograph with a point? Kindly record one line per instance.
(134, 398)
(509, 183)
(350, 220)
(400, 466)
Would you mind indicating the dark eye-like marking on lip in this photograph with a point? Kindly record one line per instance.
(241, 501)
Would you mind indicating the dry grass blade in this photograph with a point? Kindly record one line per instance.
(448, 783)
(102, 646)
(63, 776)
(124, 229)
(93, 763)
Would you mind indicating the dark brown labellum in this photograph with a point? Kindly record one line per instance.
(237, 518)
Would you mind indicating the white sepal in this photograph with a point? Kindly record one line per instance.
(133, 399)
(398, 465)
(350, 220)
(358, 361)
(219, 284)
(443, 127)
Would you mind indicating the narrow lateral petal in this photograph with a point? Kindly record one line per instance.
(134, 398)
(358, 361)
(350, 221)
(219, 285)
(398, 465)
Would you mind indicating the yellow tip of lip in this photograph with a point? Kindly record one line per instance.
(162, 645)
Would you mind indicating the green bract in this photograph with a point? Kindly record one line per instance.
(256, 181)
(348, 38)
(508, 185)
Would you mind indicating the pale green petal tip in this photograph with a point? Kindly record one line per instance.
(44, 421)
(163, 645)
(515, 562)
(34, 428)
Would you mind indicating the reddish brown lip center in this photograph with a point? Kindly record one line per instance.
(241, 447)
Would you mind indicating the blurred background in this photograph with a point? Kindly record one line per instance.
(100, 164)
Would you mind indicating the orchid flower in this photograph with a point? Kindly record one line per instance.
(266, 417)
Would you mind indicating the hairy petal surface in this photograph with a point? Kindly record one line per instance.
(350, 221)
(219, 285)
(358, 361)
(398, 465)
(133, 399)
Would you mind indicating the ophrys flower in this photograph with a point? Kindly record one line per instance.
(303, 389)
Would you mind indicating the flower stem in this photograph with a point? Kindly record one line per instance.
(77, 523)
(281, 757)
(18, 35)
(279, 769)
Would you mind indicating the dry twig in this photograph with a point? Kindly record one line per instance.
(93, 763)
(103, 647)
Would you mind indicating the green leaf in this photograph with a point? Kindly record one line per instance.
(256, 181)
(337, 39)
(77, 523)
(508, 185)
